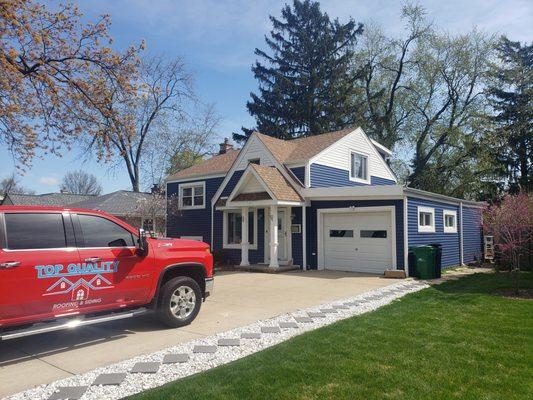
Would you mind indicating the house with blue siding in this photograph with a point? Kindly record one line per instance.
(329, 201)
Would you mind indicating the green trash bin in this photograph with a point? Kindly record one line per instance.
(422, 262)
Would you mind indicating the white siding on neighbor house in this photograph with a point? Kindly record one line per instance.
(339, 155)
(254, 149)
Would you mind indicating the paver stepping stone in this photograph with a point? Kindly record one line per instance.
(270, 329)
(328, 310)
(229, 342)
(68, 393)
(109, 379)
(145, 368)
(288, 325)
(352, 303)
(175, 358)
(204, 349)
(251, 335)
(316, 314)
(304, 320)
(340, 307)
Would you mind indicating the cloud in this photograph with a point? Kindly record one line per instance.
(49, 181)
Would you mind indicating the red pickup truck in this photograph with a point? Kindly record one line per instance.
(64, 267)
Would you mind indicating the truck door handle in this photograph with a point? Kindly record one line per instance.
(93, 259)
(10, 264)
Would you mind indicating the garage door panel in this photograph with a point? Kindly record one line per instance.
(370, 253)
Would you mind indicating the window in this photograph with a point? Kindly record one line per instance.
(449, 221)
(148, 224)
(338, 233)
(426, 219)
(374, 234)
(192, 195)
(35, 231)
(101, 232)
(359, 167)
(233, 229)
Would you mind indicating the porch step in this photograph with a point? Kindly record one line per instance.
(259, 268)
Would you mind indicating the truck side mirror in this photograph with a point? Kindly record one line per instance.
(142, 244)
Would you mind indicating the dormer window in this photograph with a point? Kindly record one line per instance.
(359, 167)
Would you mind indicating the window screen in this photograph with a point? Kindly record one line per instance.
(35, 231)
(101, 232)
(373, 234)
(426, 219)
(449, 220)
(340, 233)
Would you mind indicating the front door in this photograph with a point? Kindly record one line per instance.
(283, 236)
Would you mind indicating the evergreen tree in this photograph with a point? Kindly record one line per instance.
(510, 95)
(305, 83)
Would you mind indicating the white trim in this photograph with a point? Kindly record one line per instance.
(196, 178)
(426, 228)
(304, 238)
(244, 178)
(449, 229)
(225, 244)
(367, 167)
(308, 175)
(381, 147)
(378, 191)
(191, 185)
(461, 248)
(198, 238)
(320, 227)
(287, 241)
(405, 236)
(422, 194)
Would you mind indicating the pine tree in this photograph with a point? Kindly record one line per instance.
(305, 82)
(510, 96)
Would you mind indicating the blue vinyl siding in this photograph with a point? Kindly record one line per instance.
(193, 222)
(232, 183)
(297, 258)
(312, 224)
(299, 172)
(472, 237)
(326, 176)
(449, 241)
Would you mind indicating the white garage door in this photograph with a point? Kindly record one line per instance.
(359, 242)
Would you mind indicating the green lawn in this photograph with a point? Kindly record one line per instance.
(453, 341)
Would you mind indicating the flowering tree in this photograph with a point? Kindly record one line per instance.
(511, 223)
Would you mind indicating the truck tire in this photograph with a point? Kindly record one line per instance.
(180, 302)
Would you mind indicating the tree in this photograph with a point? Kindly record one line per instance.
(510, 93)
(81, 182)
(425, 93)
(179, 144)
(52, 75)
(160, 92)
(305, 84)
(511, 223)
(11, 185)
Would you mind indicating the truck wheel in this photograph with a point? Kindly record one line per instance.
(180, 302)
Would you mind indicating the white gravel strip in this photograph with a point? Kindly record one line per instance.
(198, 362)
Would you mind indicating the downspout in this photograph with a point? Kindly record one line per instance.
(405, 237)
(461, 250)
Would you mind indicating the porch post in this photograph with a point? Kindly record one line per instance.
(274, 237)
(244, 241)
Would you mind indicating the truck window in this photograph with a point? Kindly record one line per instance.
(34, 231)
(101, 232)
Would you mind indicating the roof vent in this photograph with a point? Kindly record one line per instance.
(225, 146)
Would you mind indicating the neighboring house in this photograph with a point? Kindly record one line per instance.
(47, 199)
(324, 202)
(139, 209)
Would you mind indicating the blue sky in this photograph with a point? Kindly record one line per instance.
(217, 38)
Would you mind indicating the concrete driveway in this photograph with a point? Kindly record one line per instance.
(239, 299)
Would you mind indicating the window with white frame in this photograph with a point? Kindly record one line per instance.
(426, 219)
(449, 220)
(192, 195)
(359, 167)
(233, 229)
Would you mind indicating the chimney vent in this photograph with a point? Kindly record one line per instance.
(225, 146)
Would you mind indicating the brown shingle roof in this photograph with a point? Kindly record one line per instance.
(301, 149)
(220, 163)
(276, 182)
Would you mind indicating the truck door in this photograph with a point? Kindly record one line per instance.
(36, 251)
(122, 276)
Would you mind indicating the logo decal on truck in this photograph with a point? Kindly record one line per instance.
(81, 287)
